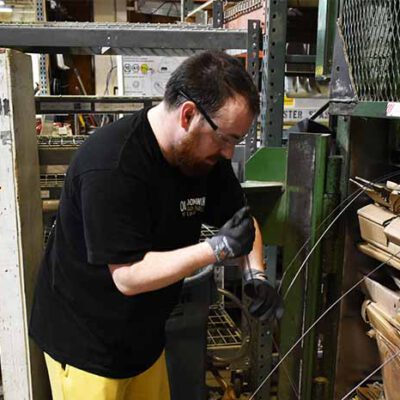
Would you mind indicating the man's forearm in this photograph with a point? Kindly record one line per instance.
(160, 269)
(255, 258)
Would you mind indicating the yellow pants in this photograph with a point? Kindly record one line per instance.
(70, 383)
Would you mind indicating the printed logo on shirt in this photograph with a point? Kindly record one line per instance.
(191, 207)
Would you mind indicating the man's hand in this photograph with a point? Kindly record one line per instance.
(266, 303)
(235, 238)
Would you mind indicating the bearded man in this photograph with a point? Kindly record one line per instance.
(127, 233)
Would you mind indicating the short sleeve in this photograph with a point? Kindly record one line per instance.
(115, 215)
(224, 195)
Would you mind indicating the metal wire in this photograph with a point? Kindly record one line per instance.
(371, 32)
(316, 245)
(285, 370)
(356, 194)
(371, 374)
(317, 321)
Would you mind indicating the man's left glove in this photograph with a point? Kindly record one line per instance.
(266, 303)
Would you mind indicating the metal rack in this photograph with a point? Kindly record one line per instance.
(92, 104)
(55, 142)
(138, 39)
(117, 38)
(95, 39)
(58, 150)
(303, 302)
(52, 180)
(51, 186)
(222, 331)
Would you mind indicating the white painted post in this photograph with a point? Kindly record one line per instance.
(21, 232)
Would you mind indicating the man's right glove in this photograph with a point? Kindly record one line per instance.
(235, 238)
(266, 303)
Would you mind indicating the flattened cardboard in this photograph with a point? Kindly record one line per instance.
(388, 340)
(387, 300)
(392, 231)
(372, 219)
(379, 254)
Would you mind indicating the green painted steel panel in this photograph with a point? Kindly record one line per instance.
(268, 205)
(377, 109)
(367, 109)
(313, 294)
(307, 161)
(332, 277)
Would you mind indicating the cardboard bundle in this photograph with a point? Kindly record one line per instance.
(382, 314)
(380, 222)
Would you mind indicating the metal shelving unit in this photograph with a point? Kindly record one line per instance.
(92, 104)
(222, 332)
(303, 302)
(96, 39)
(55, 142)
(58, 150)
(117, 38)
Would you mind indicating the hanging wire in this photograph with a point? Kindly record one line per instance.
(285, 370)
(317, 321)
(391, 358)
(247, 266)
(356, 194)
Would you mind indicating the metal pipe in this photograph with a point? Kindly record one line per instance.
(50, 205)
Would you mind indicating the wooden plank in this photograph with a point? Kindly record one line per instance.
(21, 231)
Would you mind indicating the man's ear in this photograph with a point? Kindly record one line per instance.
(187, 113)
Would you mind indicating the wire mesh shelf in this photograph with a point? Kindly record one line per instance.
(222, 331)
(371, 32)
(60, 141)
(52, 180)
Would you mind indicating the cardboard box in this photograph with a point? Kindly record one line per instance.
(373, 220)
(379, 254)
(387, 334)
(392, 231)
(386, 300)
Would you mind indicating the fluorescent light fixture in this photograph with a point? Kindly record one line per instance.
(6, 9)
(2, 3)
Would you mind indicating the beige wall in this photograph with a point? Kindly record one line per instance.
(23, 11)
(107, 11)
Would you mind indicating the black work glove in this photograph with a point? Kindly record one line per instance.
(235, 238)
(266, 303)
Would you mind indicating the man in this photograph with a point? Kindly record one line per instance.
(127, 233)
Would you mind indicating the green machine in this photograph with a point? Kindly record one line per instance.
(293, 187)
(291, 191)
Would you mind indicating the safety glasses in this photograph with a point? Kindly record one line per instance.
(225, 139)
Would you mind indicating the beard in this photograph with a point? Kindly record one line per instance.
(185, 158)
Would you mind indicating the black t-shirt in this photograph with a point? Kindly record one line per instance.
(120, 200)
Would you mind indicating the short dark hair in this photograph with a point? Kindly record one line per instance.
(211, 78)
